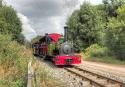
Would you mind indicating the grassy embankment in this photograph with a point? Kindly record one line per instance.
(97, 53)
(13, 64)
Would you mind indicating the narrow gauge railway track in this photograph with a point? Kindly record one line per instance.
(94, 79)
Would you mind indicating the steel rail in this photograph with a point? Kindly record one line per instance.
(109, 79)
(81, 75)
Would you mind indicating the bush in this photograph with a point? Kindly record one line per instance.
(13, 62)
(115, 41)
(10, 23)
(95, 51)
(101, 54)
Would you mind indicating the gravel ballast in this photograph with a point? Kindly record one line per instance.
(63, 76)
(71, 80)
(103, 71)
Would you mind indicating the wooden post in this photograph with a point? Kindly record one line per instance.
(30, 74)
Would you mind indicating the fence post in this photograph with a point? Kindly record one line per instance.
(30, 74)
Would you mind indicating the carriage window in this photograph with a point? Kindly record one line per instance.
(49, 40)
(61, 40)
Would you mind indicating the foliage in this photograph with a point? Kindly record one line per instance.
(86, 24)
(100, 54)
(106, 59)
(115, 33)
(10, 23)
(0, 3)
(13, 56)
(13, 62)
(36, 39)
(116, 42)
(95, 51)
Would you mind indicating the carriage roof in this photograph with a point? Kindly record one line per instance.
(54, 37)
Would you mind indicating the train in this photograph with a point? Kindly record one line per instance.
(57, 48)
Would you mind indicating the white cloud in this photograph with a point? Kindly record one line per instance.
(28, 31)
(46, 16)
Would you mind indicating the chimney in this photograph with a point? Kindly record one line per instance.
(65, 33)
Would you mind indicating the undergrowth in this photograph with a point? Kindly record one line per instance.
(13, 62)
(100, 54)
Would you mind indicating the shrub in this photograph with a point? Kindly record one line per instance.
(95, 51)
(13, 62)
(115, 38)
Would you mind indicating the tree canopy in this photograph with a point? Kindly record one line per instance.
(10, 23)
(86, 24)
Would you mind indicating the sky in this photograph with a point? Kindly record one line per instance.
(44, 16)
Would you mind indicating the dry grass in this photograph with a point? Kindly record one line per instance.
(13, 63)
(43, 79)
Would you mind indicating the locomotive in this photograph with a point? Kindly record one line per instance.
(57, 48)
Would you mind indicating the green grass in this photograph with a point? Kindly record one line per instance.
(109, 60)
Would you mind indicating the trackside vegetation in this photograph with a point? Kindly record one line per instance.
(13, 62)
(99, 53)
(14, 56)
(100, 30)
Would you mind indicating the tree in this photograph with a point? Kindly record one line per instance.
(115, 35)
(10, 23)
(73, 25)
(85, 23)
(36, 39)
(1, 3)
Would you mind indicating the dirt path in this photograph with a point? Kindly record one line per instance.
(117, 69)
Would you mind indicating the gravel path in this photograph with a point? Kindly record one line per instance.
(120, 69)
(114, 72)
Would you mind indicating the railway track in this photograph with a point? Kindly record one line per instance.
(94, 79)
(90, 78)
